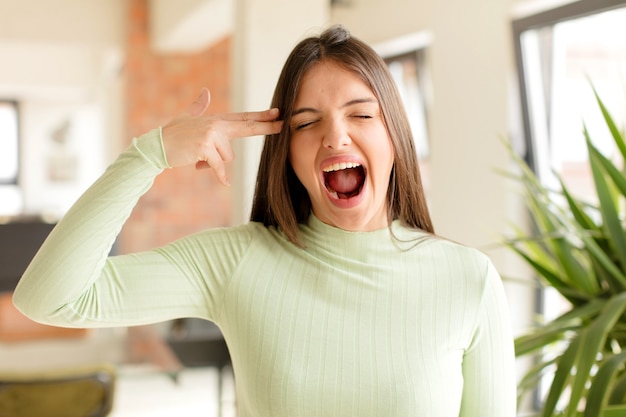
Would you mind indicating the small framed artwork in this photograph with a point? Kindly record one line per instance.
(9, 142)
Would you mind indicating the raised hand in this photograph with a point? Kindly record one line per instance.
(204, 139)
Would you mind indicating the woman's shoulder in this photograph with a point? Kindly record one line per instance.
(243, 236)
(459, 250)
(243, 232)
(446, 255)
(411, 238)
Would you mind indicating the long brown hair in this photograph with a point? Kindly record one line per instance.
(280, 199)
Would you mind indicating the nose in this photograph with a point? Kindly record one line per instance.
(336, 135)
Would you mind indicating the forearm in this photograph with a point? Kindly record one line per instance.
(73, 256)
(489, 365)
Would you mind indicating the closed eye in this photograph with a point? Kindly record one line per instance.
(302, 125)
(362, 117)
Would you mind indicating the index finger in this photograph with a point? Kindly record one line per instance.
(261, 116)
(251, 127)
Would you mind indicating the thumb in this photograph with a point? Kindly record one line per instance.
(200, 104)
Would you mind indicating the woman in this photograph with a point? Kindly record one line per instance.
(336, 299)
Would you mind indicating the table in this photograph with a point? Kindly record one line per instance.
(133, 348)
(137, 352)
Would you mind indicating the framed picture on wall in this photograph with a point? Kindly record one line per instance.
(9, 142)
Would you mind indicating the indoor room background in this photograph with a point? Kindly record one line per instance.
(79, 79)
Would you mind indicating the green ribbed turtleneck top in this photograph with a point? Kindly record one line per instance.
(358, 324)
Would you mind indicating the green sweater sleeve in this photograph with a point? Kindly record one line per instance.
(72, 281)
(488, 364)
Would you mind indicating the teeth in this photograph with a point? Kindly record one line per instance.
(341, 165)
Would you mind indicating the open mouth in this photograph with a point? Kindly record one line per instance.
(344, 180)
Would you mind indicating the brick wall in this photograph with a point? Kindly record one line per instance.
(159, 86)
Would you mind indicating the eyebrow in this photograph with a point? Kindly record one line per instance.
(349, 103)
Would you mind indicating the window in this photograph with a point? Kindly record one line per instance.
(406, 59)
(560, 53)
(9, 143)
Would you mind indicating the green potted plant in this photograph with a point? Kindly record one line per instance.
(579, 249)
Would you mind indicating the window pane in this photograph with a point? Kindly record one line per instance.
(559, 62)
(407, 72)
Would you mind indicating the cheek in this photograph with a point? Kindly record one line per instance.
(301, 156)
(387, 148)
(387, 160)
(384, 150)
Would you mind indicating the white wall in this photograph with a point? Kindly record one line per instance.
(62, 59)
